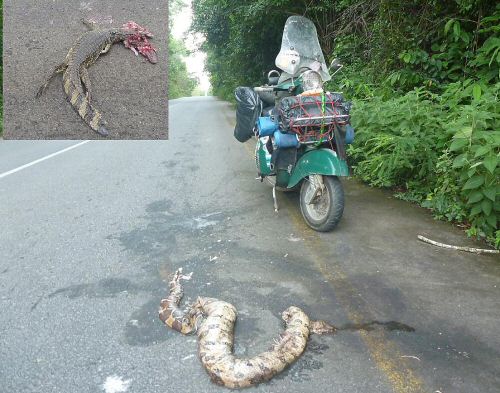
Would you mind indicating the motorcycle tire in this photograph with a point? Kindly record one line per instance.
(326, 211)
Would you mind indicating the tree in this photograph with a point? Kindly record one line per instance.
(425, 77)
(180, 83)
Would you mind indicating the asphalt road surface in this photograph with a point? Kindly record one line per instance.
(130, 92)
(91, 235)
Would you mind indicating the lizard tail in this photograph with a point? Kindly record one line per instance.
(81, 104)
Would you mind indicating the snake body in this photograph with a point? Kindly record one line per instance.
(214, 320)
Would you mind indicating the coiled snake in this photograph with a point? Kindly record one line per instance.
(214, 320)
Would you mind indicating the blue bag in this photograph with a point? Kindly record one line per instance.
(349, 134)
(266, 126)
(285, 140)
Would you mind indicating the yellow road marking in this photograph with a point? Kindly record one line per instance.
(384, 353)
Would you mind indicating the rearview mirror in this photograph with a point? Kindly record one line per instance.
(335, 66)
(273, 77)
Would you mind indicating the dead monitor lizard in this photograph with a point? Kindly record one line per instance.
(86, 50)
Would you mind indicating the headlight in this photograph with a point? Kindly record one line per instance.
(311, 80)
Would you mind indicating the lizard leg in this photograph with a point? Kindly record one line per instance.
(84, 75)
(106, 49)
(60, 68)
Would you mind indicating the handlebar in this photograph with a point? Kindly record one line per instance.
(271, 89)
(267, 89)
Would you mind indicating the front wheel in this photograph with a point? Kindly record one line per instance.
(322, 202)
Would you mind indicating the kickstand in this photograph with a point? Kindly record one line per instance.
(275, 200)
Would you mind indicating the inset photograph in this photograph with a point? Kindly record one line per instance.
(85, 69)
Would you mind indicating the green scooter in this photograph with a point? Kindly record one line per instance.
(301, 135)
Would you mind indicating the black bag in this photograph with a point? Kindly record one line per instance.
(284, 158)
(249, 107)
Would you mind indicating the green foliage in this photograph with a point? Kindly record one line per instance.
(242, 41)
(463, 48)
(472, 131)
(180, 83)
(428, 123)
(392, 137)
(424, 76)
(442, 150)
(198, 91)
(243, 37)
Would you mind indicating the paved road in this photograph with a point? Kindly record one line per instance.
(130, 92)
(89, 237)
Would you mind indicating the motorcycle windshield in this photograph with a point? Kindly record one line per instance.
(300, 49)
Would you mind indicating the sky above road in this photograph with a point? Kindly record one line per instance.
(196, 61)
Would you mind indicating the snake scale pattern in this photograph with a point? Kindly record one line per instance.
(213, 320)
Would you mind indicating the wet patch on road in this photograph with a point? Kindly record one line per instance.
(383, 297)
(160, 237)
(303, 368)
(144, 328)
(169, 164)
(160, 206)
(390, 326)
(109, 287)
(442, 349)
(203, 242)
(167, 236)
(36, 303)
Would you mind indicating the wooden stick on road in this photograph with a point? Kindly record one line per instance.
(461, 248)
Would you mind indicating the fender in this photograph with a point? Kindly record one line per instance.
(318, 162)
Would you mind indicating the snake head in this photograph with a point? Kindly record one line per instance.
(322, 327)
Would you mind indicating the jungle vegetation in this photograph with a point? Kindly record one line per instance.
(424, 76)
(180, 83)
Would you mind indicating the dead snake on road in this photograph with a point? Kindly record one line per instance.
(213, 320)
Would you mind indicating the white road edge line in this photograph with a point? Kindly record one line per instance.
(20, 168)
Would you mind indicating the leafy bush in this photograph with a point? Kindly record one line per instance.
(423, 75)
(442, 150)
(180, 82)
(472, 128)
(435, 136)
(396, 139)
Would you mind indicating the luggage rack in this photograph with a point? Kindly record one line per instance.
(309, 130)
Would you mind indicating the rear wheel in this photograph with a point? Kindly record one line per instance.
(322, 202)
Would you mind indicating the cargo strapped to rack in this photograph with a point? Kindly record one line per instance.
(313, 118)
